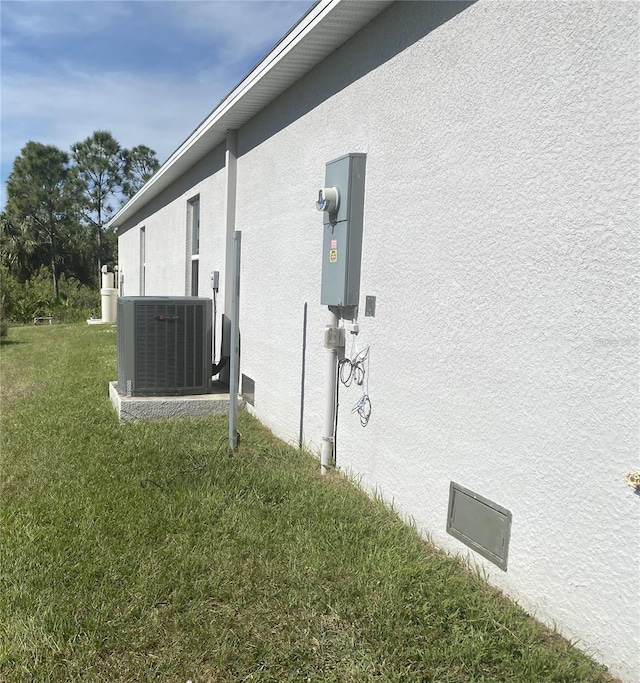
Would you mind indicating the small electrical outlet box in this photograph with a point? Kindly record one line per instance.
(370, 306)
(333, 337)
(215, 280)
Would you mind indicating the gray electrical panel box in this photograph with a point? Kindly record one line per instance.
(480, 523)
(342, 241)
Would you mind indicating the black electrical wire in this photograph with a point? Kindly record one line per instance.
(352, 370)
(363, 408)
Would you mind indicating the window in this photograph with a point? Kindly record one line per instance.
(195, 226)
(143, 259)
(194, 276)
(193, 245)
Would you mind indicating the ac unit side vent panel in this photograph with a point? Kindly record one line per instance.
(479, 523)
(164, 346)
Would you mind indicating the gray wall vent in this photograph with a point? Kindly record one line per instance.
(479, 523)
(164, 346)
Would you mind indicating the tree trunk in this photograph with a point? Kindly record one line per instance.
(54, 272)
(99, 256)
(99, 242)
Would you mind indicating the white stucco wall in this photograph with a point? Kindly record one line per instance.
(500, 240)
(165, 222)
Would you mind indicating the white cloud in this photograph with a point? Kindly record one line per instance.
(36, 20)
(159, 113)
(241, 29)
(65, 104)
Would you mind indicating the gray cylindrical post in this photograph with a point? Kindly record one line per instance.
(234, 369)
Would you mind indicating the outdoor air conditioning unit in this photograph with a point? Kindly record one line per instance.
(164, 345)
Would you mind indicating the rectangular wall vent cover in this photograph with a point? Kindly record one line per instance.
(479, 523)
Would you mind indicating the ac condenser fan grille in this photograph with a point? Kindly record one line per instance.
(172, 346)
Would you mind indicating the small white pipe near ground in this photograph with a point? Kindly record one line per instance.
(326, 452)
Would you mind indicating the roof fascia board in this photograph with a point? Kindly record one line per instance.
(316, 15)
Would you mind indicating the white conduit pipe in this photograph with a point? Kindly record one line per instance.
(231, 179)
(327, 452)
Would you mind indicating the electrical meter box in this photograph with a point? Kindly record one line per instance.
(342, 241)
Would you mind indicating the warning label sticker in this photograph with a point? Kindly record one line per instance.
(333, 255)
(334, 244)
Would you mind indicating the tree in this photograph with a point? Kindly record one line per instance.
(18, 250)
(57, 211)
(140, 163)
(41, 205)
(100, 172)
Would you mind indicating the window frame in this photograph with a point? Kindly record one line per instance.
(193, 245)
(143, 261)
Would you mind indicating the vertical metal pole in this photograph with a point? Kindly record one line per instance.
(303, 373)
(235, 343)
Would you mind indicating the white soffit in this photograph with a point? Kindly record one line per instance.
(321, 31)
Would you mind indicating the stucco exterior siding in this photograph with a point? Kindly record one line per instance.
(165, 224)
(504, 348)
(501, 242)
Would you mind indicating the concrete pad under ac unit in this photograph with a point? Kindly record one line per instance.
(132, 408)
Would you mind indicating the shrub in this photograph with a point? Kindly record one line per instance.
(75, 300)
(23, 301)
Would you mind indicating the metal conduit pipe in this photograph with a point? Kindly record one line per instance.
(234, 375)
(231, 346)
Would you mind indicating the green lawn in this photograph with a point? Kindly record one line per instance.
(144, 552)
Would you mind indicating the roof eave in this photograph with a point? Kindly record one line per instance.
(266, 82)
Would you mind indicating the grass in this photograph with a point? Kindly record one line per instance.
(144, 552)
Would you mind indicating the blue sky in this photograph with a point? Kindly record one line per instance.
(147, 70)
